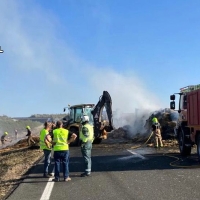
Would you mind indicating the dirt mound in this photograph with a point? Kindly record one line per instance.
(122, 134)
(118, 133)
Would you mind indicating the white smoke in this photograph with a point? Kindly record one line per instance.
(132, 100)
(72, 79)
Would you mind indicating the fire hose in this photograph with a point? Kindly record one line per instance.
(172, 164)
(180, 166)
(136, 147)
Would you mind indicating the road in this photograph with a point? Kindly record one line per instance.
(118, 174)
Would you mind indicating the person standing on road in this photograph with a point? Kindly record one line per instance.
(61, 150)
(45, 145)
(29, 134)
(157, 133)
(86, 136)
(16, 134)
(53, 126)
(3, 138)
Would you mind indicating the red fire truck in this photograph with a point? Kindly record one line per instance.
(187, 129)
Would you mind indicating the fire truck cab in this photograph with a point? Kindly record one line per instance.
(187, 129)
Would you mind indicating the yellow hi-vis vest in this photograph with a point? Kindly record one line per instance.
(87, 133)
(60, 137)
(43, 134)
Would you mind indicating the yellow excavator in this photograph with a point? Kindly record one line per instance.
(102, 123)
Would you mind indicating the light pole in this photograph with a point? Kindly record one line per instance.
(1, 51)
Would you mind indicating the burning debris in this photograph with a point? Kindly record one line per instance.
(167, 119)
(138, 128)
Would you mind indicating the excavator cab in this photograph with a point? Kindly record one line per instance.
(73, 120)
(75, 112)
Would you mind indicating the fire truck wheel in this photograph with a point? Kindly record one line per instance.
(184, 150)
(198, 146)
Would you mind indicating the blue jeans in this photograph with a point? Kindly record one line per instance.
(47, 160)
(86, 152)
(61, 157)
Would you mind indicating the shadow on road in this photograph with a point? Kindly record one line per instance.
(108, 160)
(127, 163)
(112, 163)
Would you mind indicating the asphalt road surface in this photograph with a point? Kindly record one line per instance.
(118, 174)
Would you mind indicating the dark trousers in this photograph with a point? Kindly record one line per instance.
(86, 152)
(61, 157)
(29, 140)
(47, 160)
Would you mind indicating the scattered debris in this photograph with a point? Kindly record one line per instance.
(21, 144)
(138, 130)
(15, 161)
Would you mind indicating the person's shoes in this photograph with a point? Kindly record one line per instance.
(55, 180)
(51, 174)
(47, 176)
(67, 179)
(155, 146)
(85, 174)
(161, 146)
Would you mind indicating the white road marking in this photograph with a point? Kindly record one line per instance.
(48, 189)
(136, 154)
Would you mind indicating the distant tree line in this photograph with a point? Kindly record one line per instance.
(48, 116)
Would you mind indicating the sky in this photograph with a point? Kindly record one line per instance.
(69, 51)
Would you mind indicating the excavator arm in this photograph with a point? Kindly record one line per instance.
(101, 128)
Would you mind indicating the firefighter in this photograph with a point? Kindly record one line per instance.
(45, 145)
(3, 138)
(157, 133)
(86, 136)
(29, 134)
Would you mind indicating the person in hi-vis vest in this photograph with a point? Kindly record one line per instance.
(44, 133)
(86, 136)
(157, 133)
(61, 150)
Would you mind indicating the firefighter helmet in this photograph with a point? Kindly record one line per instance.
(85, 118)
(28, 127)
